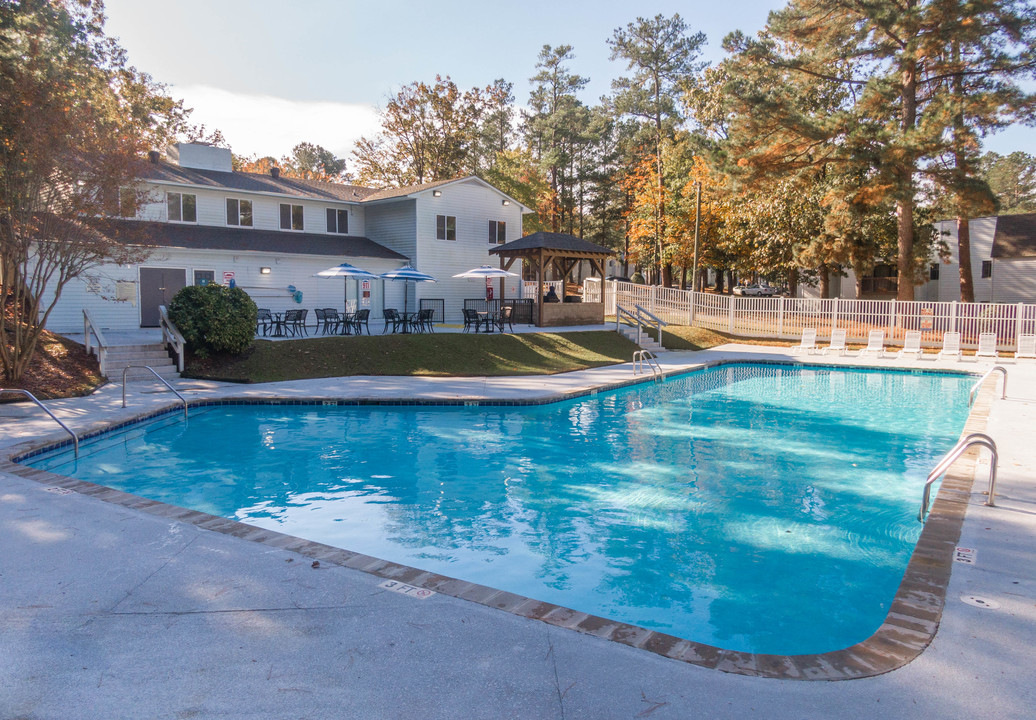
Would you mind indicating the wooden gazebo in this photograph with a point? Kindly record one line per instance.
(561, 252)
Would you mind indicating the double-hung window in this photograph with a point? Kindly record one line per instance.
(987, 268)
(239, 212)
(338, 221)
(445, 227)
(497, 232)
(291, 217)
(182, 207)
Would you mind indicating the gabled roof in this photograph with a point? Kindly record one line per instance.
(1015, 237)
(560, 242)
(204, 237)
(255, 182)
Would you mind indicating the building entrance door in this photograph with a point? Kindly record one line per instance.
(157, 287)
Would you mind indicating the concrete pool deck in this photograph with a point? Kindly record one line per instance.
(113, 612)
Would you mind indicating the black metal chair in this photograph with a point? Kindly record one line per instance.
(425, 320)
(320, 323)
(393, 318)
(264, 320)
(295, 321)
(332, 320)
(504, 318)
(471, 319)
(359, 321)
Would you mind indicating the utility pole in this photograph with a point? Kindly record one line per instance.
(697, 228)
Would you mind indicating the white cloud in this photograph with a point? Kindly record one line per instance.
(263, 125)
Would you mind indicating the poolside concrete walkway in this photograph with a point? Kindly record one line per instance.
(107, 611)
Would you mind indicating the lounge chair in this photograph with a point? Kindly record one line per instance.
(1026, 347)
(875, 344)
(911, 345)
(837, 342)
(950, 346)
(987, 343)
(808, 342)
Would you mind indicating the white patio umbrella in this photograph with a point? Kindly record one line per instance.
(486, 271)
(406, 274)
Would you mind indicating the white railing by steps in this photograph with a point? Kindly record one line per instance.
(90, 331)
(171, 336)
(785, 318)
(639, 321)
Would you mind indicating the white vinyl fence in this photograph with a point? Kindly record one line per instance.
(785, 318)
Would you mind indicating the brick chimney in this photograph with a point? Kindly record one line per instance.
(275, 172)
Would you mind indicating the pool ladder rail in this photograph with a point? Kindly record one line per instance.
(962, 446)
(66, 428)
(1003, 390)
(160, 379)
(644, 360)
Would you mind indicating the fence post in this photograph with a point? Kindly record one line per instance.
(690, 312)
(654, 296)
(834, 314)
(953, 316)
(892, 319)
(1018, 324)
(780, 316)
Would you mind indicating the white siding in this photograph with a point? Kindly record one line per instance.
(474, 205)
(982, 231)
(1014, 281)
(96, 290)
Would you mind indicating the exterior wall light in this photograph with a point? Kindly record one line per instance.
(264, 271)
(506, 203)
(436, 193)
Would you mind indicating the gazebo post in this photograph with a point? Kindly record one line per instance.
(539, 288)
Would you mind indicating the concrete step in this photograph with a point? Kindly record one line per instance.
(137, 357)
(645, 340)
(153, 355)
(166, 371)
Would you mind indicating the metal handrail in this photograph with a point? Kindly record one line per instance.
(619, 312)
(949, 458)
(990, 371)
(66, 428)
(175, 338)
(642, 357)
(90, 328)
(160, 378)
(638, 320)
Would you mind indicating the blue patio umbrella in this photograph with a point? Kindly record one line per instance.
(406, 274)
(345, 270)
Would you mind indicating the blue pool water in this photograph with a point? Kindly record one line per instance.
(760, 508)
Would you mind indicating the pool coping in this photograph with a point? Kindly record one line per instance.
(909, 626)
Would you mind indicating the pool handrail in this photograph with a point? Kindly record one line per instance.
(990, 371)
(646, 357)
(160, 379)
(66, 428)
(962, 446)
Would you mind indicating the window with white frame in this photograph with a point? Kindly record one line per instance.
(183, 207)
(239, 212)
(291, 217)
(338, 221)
(497, 232)
(445, 227)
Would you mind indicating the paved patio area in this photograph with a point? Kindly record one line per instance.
(108, 611)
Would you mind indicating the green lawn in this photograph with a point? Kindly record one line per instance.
(453, 354)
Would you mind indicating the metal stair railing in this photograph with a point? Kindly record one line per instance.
(642, 358)
(160, 379)
(990, 371)
(638, 321)
(66, 428)
(171, 336)
(90, 330)
(962, 446)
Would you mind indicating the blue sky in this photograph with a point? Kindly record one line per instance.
(271, 73)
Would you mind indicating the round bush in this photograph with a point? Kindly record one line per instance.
(637, 278)
(214, 318)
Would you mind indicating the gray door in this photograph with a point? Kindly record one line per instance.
(157, 287)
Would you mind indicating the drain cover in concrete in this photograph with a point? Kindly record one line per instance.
(979, 601)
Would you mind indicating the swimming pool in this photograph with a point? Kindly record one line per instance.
(752, 507)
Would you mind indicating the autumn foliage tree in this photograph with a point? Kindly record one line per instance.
(75, 121)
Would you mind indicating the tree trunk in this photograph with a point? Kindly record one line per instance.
(825, 282)
(793, 283)
(967, 281)
(905, 176)
(719, 281)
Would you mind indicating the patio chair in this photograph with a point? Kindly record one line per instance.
(321, 325)
(293, 321)
(875, 344)
(359, 321)
(471, 319)
(837, 342)
(987, 343)
(911, 344)
(504, 318)
(1026, 347)
(332, 320)
(393, 318)
(264, 320)
(425, 320)
(808, 342)
(950, 346)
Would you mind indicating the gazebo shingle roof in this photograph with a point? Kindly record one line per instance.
(559, 242)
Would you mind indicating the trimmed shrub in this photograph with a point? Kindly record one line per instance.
(214, 318)
(637, 278)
